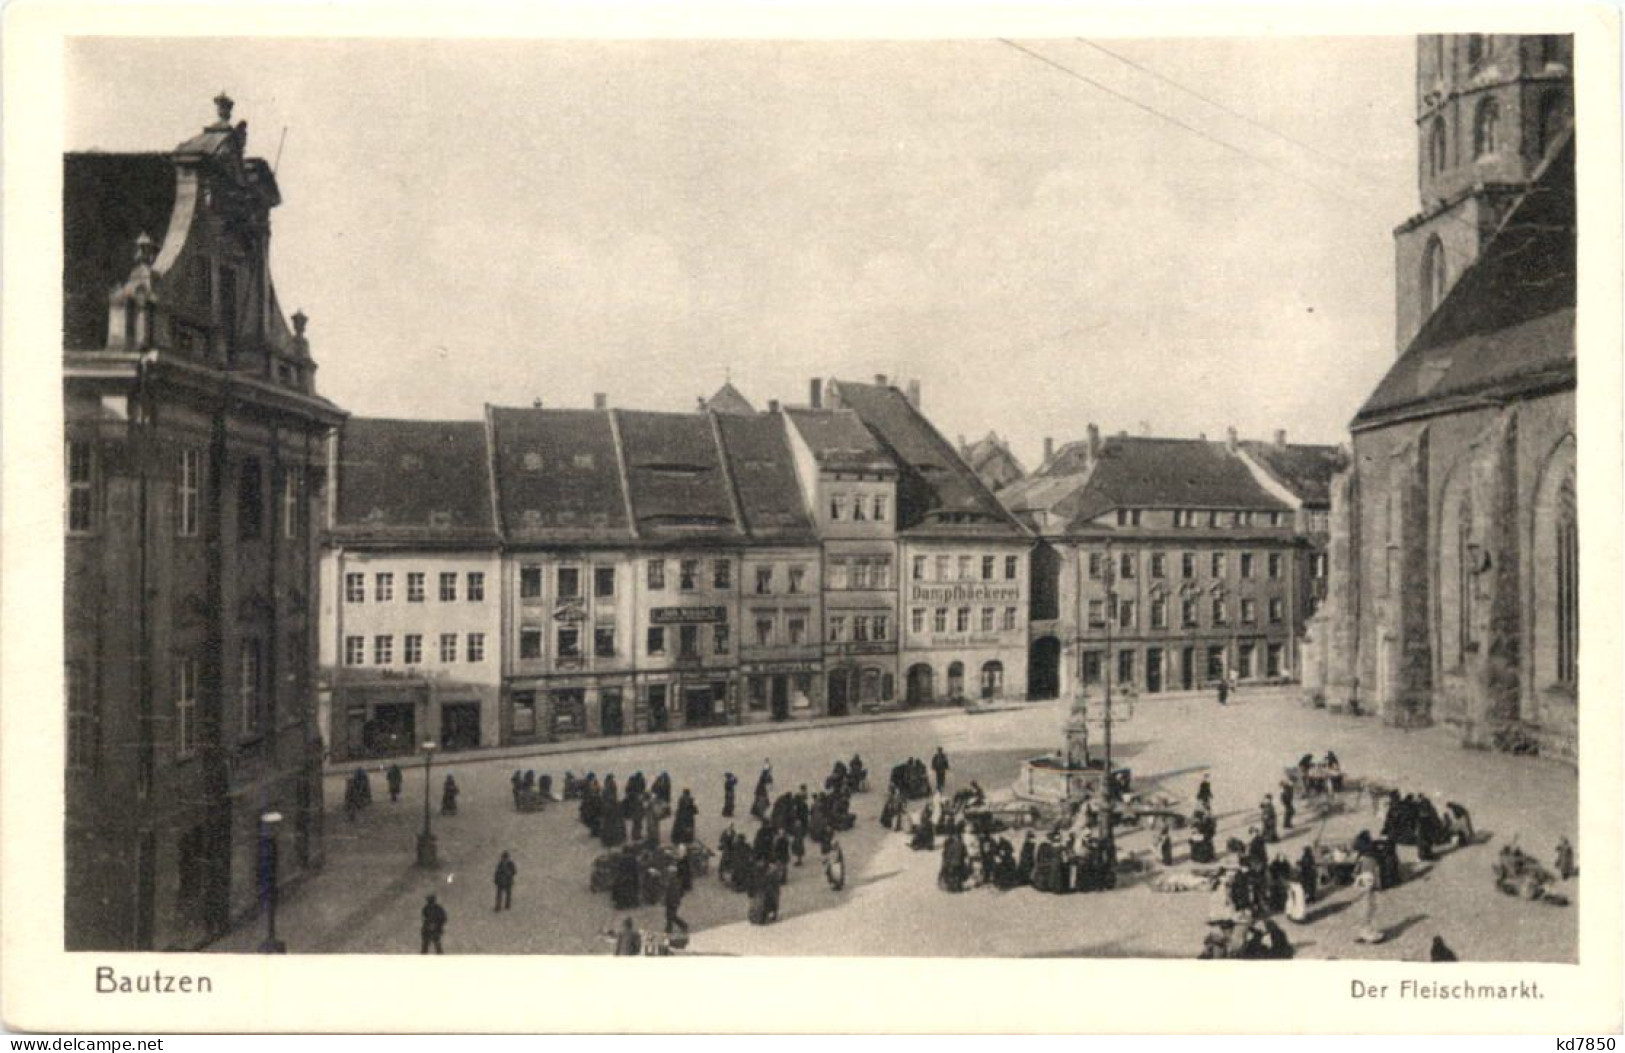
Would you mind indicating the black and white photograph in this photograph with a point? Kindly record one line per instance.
(1069, 497)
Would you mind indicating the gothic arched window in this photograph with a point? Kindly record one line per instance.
(1485, 128)
(1556, 630)
(1436, 147)
(1568, 586)
(1433, 276)
(1554, 117)
(1477, 49)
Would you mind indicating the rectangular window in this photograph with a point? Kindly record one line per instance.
(1272, 660)
(1126, 566)
(837, 507)
(965, 565)
(989, 564)
(764, 580)
(1275, 566)
(412, 649)
(569, 640)
(1244, 661)
(1009, 618)
(835, 576)
(1097, 614)
(655, 642)
(796, 629)
(655, 574)
(764, 630)
(944, 568)
(1091, 667)
(860, 627)
(987, 619)
(292, 483)
(414, 587)
(1214, 519)
(880, 508)
(1125, 614)
(1249, 611)
(919, 568)
(1159, 614)
(1277, 610)
(448, 587)
(383, 650)
(569, 583)
(719, 638)
(603, 582)
(476, 646)
(688, 573)
(185, 707)
(962, 620)
(1187, 614)
(250, 499)
(837, 628)
(1125, 667)
(1217, 565)
(355, 650)
(1159, 564)
(1246, 564)
(81, 487)
(530, 644)
(569, 710)
(448, 647)
(860, 574)
(383, 587)
(939, 620)
(355, 588)
(688, 641)
(248, 685)
(1187, 565)
(1096, 563)
(1219, 617)
(1012, 564)
(757, 692)
(530, 582)
(858, 505)
(524, 712)
(186, 497)
(1319, 564)
(882, 627)
(603, 641)
(880, 574)
(1215, 662)
(798, 579)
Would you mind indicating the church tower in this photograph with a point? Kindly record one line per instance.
(1487, 110)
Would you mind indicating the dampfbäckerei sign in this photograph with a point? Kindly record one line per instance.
(969, 592)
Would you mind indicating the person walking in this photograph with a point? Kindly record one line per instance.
(939, 765)
(674, 898)
(1564, 863)
(448, 797)
(506, 872)
(1266, 820)
(729, 781)
(1204, 794)
(1286, 804)
(1366, 880)
(434, 925)
(393, 777)
(1224, 690)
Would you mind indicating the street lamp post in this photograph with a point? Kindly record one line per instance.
(1111, 783)
(268, 881)
(428, 858)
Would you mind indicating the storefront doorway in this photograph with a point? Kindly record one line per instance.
(392, 729)
(702, 705)
(781, 697)
(612, 719)
(921, 685)
(842, 688)
(1187, 668)
(1153, 670)
(1044, 668)
(459, 725)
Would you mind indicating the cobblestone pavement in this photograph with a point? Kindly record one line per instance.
(368, 897)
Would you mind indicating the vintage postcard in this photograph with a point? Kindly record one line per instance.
(1009, 502)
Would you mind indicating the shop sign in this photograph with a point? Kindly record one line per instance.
(687, 615)
(783, 667)
(966, 641)
(869, 647)
(967, 592)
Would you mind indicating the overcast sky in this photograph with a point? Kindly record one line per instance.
(471, 222)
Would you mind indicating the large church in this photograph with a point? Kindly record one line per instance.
(1454, 544)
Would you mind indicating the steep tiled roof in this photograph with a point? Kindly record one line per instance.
(413, 480)
(1136, 472)
(108, 201)
(1305, 470)
(1070, 459)
(729, 400)
(558, 478)
(1508, 323)
(987, 449)
(764, 477)
(937, 492)
(675, 475)
(839, 440)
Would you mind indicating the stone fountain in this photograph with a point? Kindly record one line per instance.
(1066, 776)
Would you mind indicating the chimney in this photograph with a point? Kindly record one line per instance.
(880, 379)
(1094, 442)
(1201, 436)
(1230, 439)
(815, 393)
(536, 404)
(600, 400)
(773, 405)
(1280, 437)
(1049, 448)
(914, 393)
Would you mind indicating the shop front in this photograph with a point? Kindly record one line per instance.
(860, 677)
(782, 690)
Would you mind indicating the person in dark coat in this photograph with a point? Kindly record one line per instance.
(506, 871)
(448, 797)
(682, 824)
(393, 778)
(662, 788)
(591, 808)
(1224, 691)
(635, 785)
(1029, 857)
(1564, 863)
(1266, 820)
(951, 874)
(633, 810)
(1440, 951)
(1286, 805)
(1308, 873)
(762, 847)
(1257, 852)
(627, 884)
(518, 783)
(628, 941)
(674, 899)
(1204, 794)
(939, 766)
(1044, 866)
(781, 851)
(611, 823)
(925, 833)
(729, 781)
(434, 925)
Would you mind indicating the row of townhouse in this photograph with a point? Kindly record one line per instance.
(545, 574)
(1170, 564)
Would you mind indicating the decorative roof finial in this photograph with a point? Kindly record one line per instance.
(299, 319)
(222, 106)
